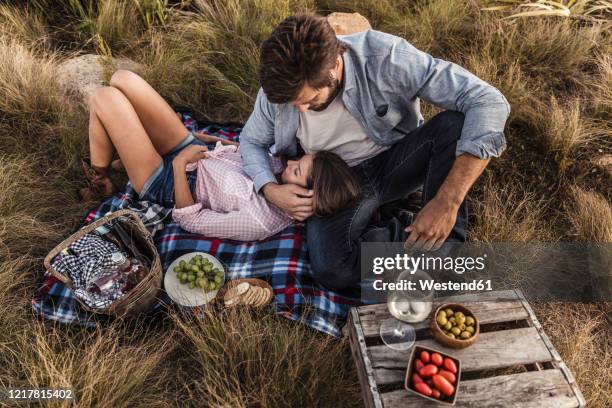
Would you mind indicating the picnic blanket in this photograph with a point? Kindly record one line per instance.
(282, 260)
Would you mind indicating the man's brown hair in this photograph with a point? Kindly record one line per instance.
(301, 50)
(334, 184)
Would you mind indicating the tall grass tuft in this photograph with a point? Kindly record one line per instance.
(244, 358)
(546, 8)
(506, 213)
(590, 215)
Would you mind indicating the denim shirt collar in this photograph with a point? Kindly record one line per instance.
(349, 71)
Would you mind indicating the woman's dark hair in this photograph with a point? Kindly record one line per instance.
(334, 184)
(301, 50)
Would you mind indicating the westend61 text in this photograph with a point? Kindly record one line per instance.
(430, 284)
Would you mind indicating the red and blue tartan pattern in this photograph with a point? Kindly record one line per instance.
(282, 260)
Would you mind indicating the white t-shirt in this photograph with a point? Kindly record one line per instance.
(335, 129)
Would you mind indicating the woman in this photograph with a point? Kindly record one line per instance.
(209, 191)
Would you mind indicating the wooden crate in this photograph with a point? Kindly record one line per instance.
(513, 363)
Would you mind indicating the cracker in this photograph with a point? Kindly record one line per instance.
(243, 288)
(269, 294)
(249, 297)
(231, 294)
(263, 297)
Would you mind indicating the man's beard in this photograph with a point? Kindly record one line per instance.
(334, 90)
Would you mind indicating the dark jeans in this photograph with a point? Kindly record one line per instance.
(423, 158)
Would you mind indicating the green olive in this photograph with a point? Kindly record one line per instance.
(470, 321)
(177, 269)
(442, 312)
(451, 335)
(441, 319)
(458, 314)
(195, 268)
(207, 268)
(449, 312)
(191, 278)
(182, 263)
(456, 331)
(461, 326)
(191, 285)
(452, 320)
(465, 335)
(460, 319)
(448, 326)
(470, 329)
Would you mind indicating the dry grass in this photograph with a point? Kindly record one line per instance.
(582, 336)
(556, 73)
(592, 218)
(264, 362)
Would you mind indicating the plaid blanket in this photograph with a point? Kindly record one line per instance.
(282, 260)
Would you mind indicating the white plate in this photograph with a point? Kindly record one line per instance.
(180, 293)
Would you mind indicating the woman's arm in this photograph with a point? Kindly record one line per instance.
(190, 154)
(238, 225)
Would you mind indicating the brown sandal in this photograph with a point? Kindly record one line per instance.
(99, 185)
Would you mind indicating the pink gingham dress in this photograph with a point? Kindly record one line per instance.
(227, 205)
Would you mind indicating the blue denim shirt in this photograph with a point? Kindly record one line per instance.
(384, 79)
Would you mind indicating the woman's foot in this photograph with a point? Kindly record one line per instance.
(99, 185)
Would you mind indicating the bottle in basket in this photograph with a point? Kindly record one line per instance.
(126, 272)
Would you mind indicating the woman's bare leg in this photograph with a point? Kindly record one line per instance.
(157, 117)
(114, 123)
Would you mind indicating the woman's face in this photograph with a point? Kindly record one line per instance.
(297, 171)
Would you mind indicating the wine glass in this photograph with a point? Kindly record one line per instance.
(406, 306)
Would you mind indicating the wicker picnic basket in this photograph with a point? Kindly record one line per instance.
(141, 297)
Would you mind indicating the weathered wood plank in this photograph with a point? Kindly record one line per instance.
(539, 389)
(494, 308)
(492, 350)
(500, 295)
(369, 390)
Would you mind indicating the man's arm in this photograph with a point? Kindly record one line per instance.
(435, 221)
(255, 140)
(452, 87)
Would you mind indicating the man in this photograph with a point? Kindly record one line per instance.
(358, 96)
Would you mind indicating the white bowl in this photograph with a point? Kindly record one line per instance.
(181, 294)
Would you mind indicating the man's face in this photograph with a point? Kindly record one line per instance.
(315, 99)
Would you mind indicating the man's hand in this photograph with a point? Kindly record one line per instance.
(432, 225)
(294, 200)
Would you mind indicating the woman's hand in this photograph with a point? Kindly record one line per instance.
(191, 154)
(205, 137)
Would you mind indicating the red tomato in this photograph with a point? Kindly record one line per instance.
(416, 378)
(443, 385)
(449, 365)
(436, 358)
(435, 393)
(425, 357)
(423, 389)
(429, 370)
(418, 364)
(448, 375)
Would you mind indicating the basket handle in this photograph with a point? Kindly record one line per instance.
(78, 235)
